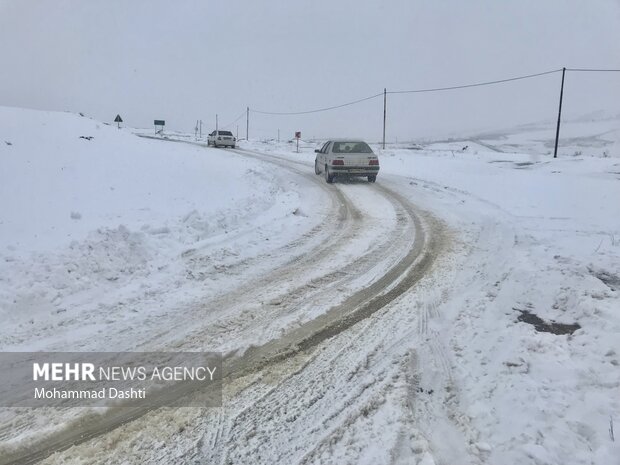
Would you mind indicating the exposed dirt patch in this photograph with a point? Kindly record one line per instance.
(523, 164)
(543, 326)
(611, 280)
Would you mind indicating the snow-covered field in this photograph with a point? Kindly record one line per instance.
(133, 243)
(595, 135)
(543, 237)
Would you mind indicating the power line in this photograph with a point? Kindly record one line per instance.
(594, 70)
(415, 91)
(477, 84)
(318, 109)
(436, 89)
(237, 119)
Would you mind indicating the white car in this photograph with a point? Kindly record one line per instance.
(346, 158)
(221, 139)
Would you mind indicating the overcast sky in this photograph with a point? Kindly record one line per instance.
(186, 60)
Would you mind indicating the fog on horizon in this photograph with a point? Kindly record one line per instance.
(188, 60)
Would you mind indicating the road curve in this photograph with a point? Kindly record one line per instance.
(422, 247)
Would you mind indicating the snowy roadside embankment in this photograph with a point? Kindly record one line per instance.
(99, 229)
(545, 249)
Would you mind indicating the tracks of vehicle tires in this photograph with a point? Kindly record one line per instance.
(423, 248)
(417, 240)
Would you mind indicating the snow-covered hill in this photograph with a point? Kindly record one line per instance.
(64, 176)
(93, 217)
(595, 135)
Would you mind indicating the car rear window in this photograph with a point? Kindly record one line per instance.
(351, 147)
(224, 133)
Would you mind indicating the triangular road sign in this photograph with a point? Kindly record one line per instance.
(118, 119)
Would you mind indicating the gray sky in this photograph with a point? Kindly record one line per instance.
(184, 60)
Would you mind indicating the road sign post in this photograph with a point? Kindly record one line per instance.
(298, 136)
(159, 122)
(118, 120)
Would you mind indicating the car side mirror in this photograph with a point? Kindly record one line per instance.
(316, 150)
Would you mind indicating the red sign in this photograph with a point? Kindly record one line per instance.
(298, 135)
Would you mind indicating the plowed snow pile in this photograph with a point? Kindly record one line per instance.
(100, 229)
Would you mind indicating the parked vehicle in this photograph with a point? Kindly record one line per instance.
(221, 139)
(346, 158)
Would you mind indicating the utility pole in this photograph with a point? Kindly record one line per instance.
(237, 137)
(557, 130)
(384, 113)
(247, 123)
(216, 121)
(201, 129)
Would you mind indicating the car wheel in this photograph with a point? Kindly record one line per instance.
(232, 146)
(316, 167)
(329, 178)
(372, 178)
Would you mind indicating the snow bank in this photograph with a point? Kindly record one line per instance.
(97, 226)
(63, 176)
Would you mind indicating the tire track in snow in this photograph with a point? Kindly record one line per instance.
(355, 308)
(320, 291)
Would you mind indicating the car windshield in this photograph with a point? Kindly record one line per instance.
(225, 133)
(351, 147)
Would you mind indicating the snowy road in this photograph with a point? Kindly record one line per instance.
(357, 326)
(371, 247)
